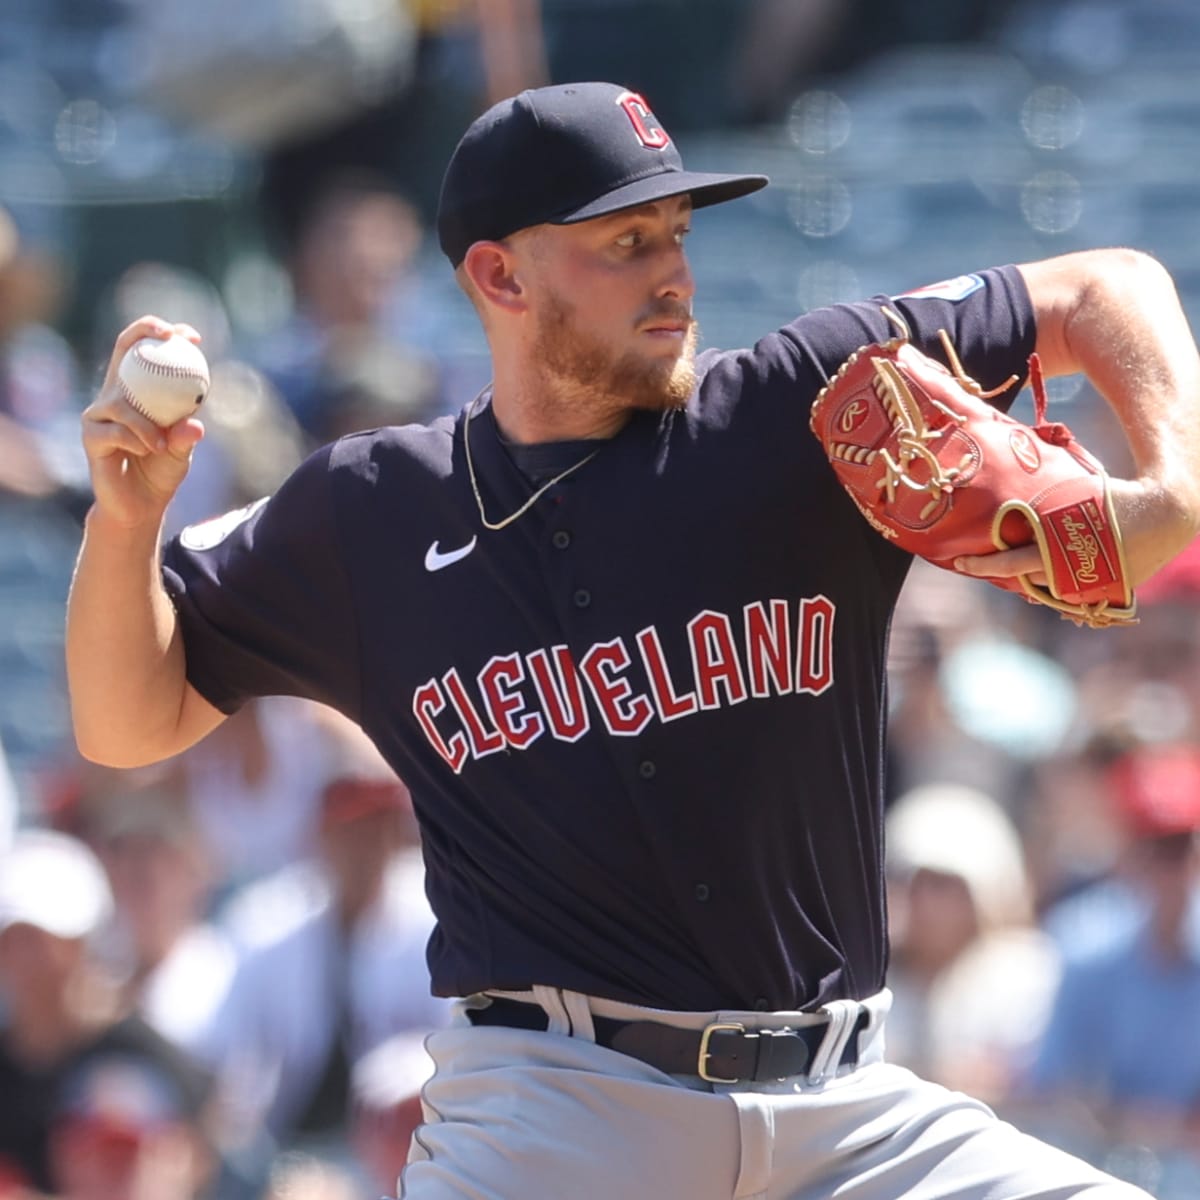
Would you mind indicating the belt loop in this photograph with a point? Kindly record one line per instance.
(842, 1014)
(558, 1019)
(579, 1014)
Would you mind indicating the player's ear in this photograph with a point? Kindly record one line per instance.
(492, 269)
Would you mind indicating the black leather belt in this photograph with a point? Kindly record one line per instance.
(723, 1052)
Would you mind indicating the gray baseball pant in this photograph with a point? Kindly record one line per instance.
(512, 1114)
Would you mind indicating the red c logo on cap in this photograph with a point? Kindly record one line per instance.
(645, 124)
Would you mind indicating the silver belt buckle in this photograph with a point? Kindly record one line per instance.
(705, 1054)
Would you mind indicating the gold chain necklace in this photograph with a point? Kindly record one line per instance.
(532, 499)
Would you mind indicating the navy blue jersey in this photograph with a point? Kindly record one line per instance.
(643, 724)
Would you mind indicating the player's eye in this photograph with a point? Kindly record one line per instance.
(631, 240)
(680, 234)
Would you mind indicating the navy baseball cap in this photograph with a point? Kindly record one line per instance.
(561, 154)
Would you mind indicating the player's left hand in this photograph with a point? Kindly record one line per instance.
(943, 474)
(1154, 528)
(1004, 564)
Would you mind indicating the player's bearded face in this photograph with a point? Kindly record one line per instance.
(571, 352)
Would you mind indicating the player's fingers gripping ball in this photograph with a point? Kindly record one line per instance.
(939, 471)
(165, 379)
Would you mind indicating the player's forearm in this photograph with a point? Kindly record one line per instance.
(1115, 316)
(125, 662)
(1130, 336)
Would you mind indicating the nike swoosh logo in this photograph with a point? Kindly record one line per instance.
(436, 559)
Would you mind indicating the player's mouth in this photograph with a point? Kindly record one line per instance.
(667, 318)
(670, 330)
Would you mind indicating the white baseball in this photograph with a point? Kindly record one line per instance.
(165, 379)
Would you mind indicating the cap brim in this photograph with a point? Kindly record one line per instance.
(704, 189)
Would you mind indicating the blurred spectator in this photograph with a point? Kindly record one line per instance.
(1123, 1041)
(252, 442)
(386, 1106)
(1179, 580)
(44, 487)
(254, 787)
(179, 293)
(347, 975)
(938, 613)
(352, 251)
(357, 293)
(1095, 900)
(40, 454)
(305, 1177)
(972, 976)
(130, 1127)
(971, 701)
(627, 42)
(374, 382)
(53, 895)
(59, 1011)
(1073, 842)
(467, 54)
(787, 46)
(505, 37)
(783, 46)
(172, 965)
(1171, 604)
(260, 439)
(265, 74)
(10, 805)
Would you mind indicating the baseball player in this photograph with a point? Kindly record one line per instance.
(623, 634)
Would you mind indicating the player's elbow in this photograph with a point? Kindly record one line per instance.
(110, 738)
(106, 750)
(102, 756)
(1114, 282)
(1124, 271)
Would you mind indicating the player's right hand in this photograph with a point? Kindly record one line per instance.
(136, 467)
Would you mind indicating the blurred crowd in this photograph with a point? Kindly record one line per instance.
(1044, 867)
(212, 974)
(180, 1020)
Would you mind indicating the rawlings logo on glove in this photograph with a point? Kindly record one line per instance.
(935, 468)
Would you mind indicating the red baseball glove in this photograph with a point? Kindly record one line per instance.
(939, 471)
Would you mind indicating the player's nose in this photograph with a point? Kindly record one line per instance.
(677, 281)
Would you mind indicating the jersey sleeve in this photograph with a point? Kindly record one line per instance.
(264, 601)
(988, 316)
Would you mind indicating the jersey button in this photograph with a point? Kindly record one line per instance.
(762, 1004)
(582, 598)
(647, 769)
(561, 539)
(702, 892)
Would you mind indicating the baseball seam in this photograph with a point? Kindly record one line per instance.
(159, 368)
(131, 400)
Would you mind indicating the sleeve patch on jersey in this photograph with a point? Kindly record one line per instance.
(204, 535)
(958, 288)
